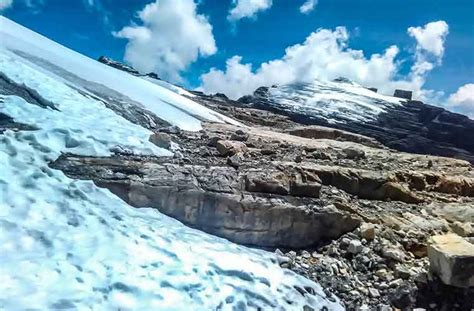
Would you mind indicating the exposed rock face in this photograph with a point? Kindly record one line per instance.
(321, 132)
(452, 259)
(120, 66)
(247, 206)
(411, 127)
(403, 94)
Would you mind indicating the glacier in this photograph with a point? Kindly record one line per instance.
(335, 101)
(68, 245)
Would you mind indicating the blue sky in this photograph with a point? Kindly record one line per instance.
(372, 26)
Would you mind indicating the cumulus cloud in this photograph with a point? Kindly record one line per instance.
(430, 46)
(308, 6)
(5, 4)
(463, 100)
(172, 35)
(325, 55)
(431, 37)
(247, 8)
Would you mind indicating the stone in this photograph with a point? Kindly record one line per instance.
(402, 297)
(402, 272)
(234, 161)
(353, 153)
(305, 254)
(161, 139)
(229, 148)
(239, 135)
(367, 231)
(394, 254)
(374, 293)
(452, 260)
(354, 247)
(463, 229)
(213, 141)
(321, 155)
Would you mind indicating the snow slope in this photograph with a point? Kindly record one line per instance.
(334, 101)
(48, 55)
(69, 245)
(174, 88)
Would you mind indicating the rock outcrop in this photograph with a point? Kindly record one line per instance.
(411, 126)
(261, 206)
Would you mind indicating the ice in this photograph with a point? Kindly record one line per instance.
(335, 101)
(169, 86)
(68, 245)
(166, 104)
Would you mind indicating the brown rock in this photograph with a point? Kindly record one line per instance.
(229, 147)
(367, 231)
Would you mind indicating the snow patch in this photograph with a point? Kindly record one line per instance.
(335, 101)
(167, 105)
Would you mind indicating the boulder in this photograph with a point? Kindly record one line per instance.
(353, 153)
(452, 260)
(230, 147)
(162, 140)
(367, 231)
(239, 135)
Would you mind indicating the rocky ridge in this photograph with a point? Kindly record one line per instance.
(410, 126)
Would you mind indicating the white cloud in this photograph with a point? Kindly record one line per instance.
(247, 8)
(5, 4)
(430, 46)
(308, 6)
(325, 55)
(463, 100)
(172, 36)
(431, 37)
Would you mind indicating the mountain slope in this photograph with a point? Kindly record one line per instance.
(409, 126)
(103, 81)
(67, 244)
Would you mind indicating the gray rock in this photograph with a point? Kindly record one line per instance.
(216, 199)
(353, 153)
(235, 160)
(354, 247)
(402, 272)
(374, 293)
(161, 139)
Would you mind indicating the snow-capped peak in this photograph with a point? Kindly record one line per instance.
(335, 101)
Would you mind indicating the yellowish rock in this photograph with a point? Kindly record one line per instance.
(452, 259)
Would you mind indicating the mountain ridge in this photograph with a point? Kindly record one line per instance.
(404, 125)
